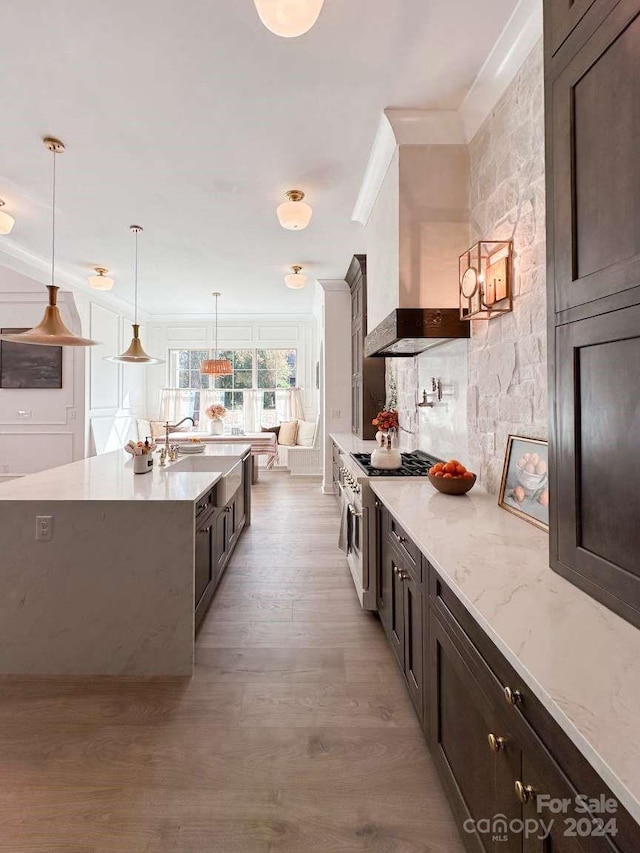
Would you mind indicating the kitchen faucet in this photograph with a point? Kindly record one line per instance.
(169, 426)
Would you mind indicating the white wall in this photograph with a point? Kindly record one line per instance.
(95, 410)
(116, 393)
(336, 369)
(242, 333)
(53, 433)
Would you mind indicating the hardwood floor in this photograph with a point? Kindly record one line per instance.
(295, 734)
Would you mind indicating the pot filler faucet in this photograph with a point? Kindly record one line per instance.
(168, 427)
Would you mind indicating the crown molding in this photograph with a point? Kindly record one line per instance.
(333, 284)
(38, 268)
(403, 127)
(452, 127)
(522, 32)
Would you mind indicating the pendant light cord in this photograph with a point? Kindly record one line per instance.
(217, 351)
(53, 224)
(135, 286)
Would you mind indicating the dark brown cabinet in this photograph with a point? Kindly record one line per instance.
(402, 611)
(478, 774)
(204, 559)
(217, 531)
(593, 236)
(500, 756)
(368, 391)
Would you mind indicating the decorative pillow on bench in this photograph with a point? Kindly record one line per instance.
(306, 433)
(275, 430)
(288, 433)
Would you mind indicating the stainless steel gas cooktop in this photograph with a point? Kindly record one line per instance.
(414, 464)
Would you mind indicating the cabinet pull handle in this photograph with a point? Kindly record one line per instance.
(513, 697)
(401, 539)
(524, 793)
(228, 509)
(496, 743)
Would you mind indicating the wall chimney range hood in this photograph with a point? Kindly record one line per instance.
(407, 332)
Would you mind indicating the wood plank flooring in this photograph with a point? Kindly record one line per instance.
(294, 736)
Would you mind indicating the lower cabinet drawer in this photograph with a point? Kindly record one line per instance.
(407, 550)
(479, 780)
(552, 768)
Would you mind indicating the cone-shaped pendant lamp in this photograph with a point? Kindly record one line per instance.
(135, 354)
(216, 366)
(51, 331)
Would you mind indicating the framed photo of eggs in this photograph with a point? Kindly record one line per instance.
(524, 489)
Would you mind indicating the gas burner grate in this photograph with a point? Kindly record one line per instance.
(415, 464)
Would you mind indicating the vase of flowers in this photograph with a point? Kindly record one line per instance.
(386, 457)
(216, 414)
(387, 423)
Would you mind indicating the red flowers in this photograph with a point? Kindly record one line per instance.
(386, 420)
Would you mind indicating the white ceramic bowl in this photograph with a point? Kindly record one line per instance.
(532, 482)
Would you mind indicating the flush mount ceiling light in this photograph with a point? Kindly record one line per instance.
(216, 366)
(295, 281)
(51, 331)
(135, 354)
(294, 214)
(100, 281)
(289, 18)
(6, 220)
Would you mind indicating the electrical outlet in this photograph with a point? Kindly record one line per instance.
(490, 443)
(44, 528)
(335, 414)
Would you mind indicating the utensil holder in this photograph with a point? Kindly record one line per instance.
(143, 463)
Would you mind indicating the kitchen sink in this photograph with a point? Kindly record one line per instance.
(229, 466)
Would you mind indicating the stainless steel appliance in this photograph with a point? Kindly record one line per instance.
(362, 529)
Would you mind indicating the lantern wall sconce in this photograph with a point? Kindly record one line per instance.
(485, 275)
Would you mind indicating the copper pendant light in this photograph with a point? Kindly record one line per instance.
(135, 353)
(51, 331)
(216, 366)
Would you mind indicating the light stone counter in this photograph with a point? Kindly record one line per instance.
(110, 477)
(581, 660)
(352, 444)
(112, 592)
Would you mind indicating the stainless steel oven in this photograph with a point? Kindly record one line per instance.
(355, 491)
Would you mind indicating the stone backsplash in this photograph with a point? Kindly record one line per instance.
(507, 359)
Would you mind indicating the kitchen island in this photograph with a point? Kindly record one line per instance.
(105, 572)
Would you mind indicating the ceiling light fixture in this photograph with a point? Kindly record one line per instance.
(6, 221)
(135, 354)
(295, 281)
(294, 214)
(216, 366)
(51, 331)
(100, 281)
(289, 18)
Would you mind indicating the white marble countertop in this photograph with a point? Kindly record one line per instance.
(351, 443)
(581, 660)
(110, 477)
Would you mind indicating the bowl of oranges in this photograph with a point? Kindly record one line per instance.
(451, 478)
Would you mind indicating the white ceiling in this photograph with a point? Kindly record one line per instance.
(192, 120)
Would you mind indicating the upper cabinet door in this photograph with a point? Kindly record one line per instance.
(596, 536)
(594, 166)
(561, 16)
